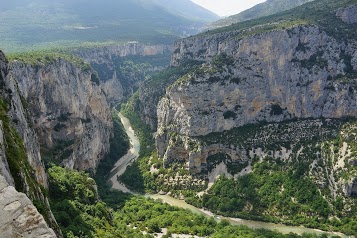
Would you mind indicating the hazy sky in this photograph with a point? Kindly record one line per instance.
(227, 7)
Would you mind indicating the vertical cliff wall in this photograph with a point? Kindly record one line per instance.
(21, 166)
(270, 77)
(70, 113)
(4, 166)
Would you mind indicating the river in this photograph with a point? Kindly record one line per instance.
(133, 153)
(121, 165)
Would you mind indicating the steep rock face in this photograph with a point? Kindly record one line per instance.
(19, 217)
(103, 54)
(120, 85)
(203, 48)
(280, 75)
(149, 94)
(107, 61)
(22, 122)
(267, 77)
(4, 166)
(21, 163)
(148, 109)
(69, 109)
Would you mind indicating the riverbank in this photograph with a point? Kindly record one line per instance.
(133, 153)
(121, 165)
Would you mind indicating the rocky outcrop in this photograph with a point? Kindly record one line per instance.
(19, 217)
(71, 116)
(243, 144)
(348, 15)
(280, 75)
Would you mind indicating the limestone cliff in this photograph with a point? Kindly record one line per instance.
(103, 54)
(254, 84)
(279, 75)
(71, 115)
(21, 164)
(267, 77)
(19, 217)
(4, 166)
(122, 68)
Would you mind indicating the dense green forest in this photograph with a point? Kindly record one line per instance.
(81, 213)
(269, 190)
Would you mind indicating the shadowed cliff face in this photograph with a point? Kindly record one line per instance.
(21, 166)
(4, 166)
(19, 118)
(70, 113)
(59, 108)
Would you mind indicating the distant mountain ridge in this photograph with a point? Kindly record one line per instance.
(260, 10)
(43, 23)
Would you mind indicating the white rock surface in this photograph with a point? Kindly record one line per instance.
(19, 217)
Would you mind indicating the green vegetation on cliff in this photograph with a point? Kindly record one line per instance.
(278, 193)
(20, 169)
(119, 145)
(154, 88)
(137, 176)
(146, 98)
(294, 192)
(47, 57)
(319, 12)
(141, 129)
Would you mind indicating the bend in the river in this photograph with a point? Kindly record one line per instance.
(121, 165)
(133, 153)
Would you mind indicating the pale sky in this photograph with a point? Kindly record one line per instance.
(227, 7)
